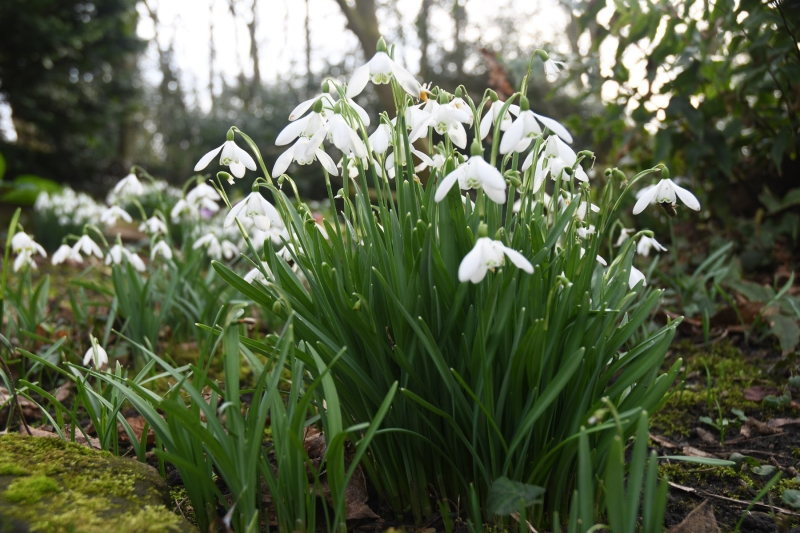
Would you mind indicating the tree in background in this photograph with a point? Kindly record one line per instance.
(68, 70)
(718, 85)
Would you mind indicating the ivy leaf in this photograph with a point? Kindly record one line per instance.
(764, 470)
(505, 496)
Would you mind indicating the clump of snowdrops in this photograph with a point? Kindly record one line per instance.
(468, 271)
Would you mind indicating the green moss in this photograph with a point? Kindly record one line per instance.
(8, 469)
(73, 488)
(674, 472)
(31, 489)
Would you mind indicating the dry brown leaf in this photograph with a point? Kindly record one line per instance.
(761, 428)
(694, 452)
(137, 424)
(666, 443)
(706, 436)
(700, 520)
(780, 422)
(754, 394)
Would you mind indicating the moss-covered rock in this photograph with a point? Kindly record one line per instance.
(49, 485)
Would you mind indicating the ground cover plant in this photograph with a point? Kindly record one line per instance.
(463, 328)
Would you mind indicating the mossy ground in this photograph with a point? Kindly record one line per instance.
(55, 486)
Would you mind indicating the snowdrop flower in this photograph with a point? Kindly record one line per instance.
(598, 258)
(209, 240)
(25, 248)
(447, 120)
(299, 152)
(87, 246)
(161, 248)
(257, 208)
(664, 192)
(636, 277)
(426, 161)
(489, 254)
(624, 233)
(475, 174)
(153, 226)
(229, 250)
(555, 157)
(341, 135)
(493, 117)
(95, 355)
(203, 191)
(517, 207)
(327, 101)
(304, 127)
(582, 210)
(552, 68)
(66, 252)
(257, 275)
(232, 156)
(114, 213)
(519, 135)
(352, 167)
(646, 243)
(380, 139)
(118, 252)
(380, 69)
(128, 186)
(585, 233)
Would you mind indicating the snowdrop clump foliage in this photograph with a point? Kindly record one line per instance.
(492, 304)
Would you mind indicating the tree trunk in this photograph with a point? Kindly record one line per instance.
(363, 21)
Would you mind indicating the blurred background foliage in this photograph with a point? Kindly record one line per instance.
(710, 88)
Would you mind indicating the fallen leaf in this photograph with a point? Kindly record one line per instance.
(666, 443)
(694, 452)
(706, 436)
(780, 422)
(754, 394)
(761, 428)
(137, 424)
(700, 520)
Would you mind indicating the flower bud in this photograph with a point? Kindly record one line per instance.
(618, 174)
(542, 55)
(476, 148)
(607, 173)
(318, 105)
(281, 179)
(381, 46)
(483, 230)
(524, 104)
(229, 135)
(326, 87)
(586, 153)
(459, 92)
(444, 96)
(222, 175)
(663, 171)
(276, 307)
(513, 178)
(499, 235)
(493, 96)
(357, 305)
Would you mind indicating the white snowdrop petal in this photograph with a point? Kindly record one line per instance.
(206, 159)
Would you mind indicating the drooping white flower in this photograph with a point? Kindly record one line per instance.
(598, 258)
(552, 68)
(153, 226)
(229, 250)
(475, 174)
(128, 186)
(517, 207)
(114, 213)
(646, 243)
(66, 252)
(380, 139)
(341, 135)
(161, 248)
(583, 208)
(380, 69)
(519, 135)
(257, 208)
(118, 252)
(624, 233)
(304, 127)
(300, 154)
(665, 192)
(327, 103)
(554, 157)
(489, 254)
(203, 192)
(232, 156)
(352, 167)
(211, 242)
(425, 160)
(87, 246)
(256, 274)
(492, 116)
(95, 355)
(25, 248)
(447, 119)
(635, 277)
(585, 233)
